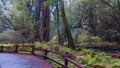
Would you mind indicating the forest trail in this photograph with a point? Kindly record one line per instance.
(8, 60)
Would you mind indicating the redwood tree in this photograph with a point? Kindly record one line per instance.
(44, 22)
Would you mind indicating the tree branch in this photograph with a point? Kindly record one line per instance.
(6, 27)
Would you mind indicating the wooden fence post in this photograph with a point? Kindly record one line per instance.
(45, 53)
(16, 48)
(65, 67)
(1, 48)
(33, 50)
(66, 61)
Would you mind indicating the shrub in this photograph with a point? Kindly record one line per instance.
(96, 39)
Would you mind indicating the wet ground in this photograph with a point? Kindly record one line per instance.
(8, 60)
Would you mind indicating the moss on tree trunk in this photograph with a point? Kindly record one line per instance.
(66, 25)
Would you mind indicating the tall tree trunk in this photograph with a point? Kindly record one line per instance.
(58, 24)
(44, 25)
(41, 29)
(66, 25)
(91, 23)
(38, 9)
(47, 20)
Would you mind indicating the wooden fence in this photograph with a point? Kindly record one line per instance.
(32, 49)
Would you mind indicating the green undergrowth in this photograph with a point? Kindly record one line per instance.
(7, 44)
(93, 59)
(87, 57)
(93, 41)
(57, 57)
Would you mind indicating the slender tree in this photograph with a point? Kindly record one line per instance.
(67, 28)
(58, 23)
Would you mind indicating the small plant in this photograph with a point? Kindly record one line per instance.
(65, 49)
(55, 39)
(115, 63)
(83, 44)
(96, 39)
(86, 51)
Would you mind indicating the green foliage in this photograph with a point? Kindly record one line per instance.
(43, 45)
(55, 38)
(99, 60)
(96, 39)
(50, 2)
(9, 37)
(86, 40)
(66, 49)
(115, 63)
(87, 51)
(84, 44)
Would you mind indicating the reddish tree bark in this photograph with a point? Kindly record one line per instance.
(47, 22)
(44, 24)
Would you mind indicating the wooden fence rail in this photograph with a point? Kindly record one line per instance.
(16, 49)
